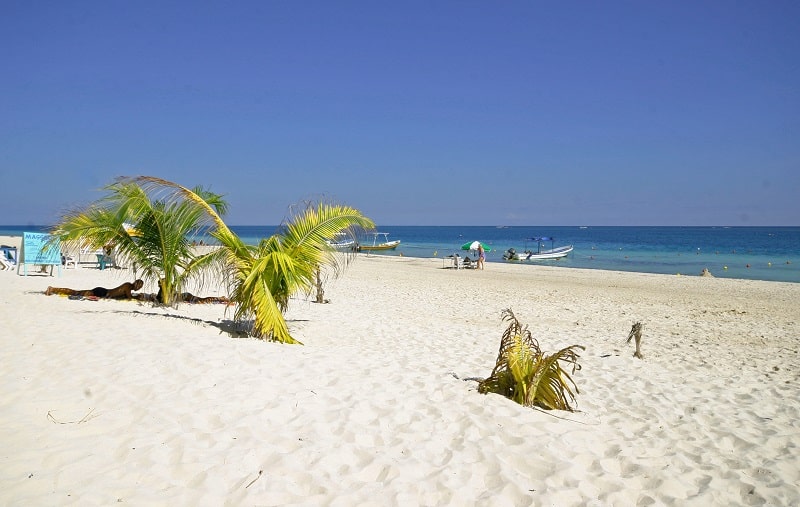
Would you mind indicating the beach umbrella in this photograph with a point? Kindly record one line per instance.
(473, 245)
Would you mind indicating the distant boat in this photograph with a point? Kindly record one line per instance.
(538, 254)
(342, 242)
(379, 245)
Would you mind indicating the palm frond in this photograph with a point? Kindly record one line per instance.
(169, 191)
(148, 228)
(165, 214)
(524, 374)
(551, 386)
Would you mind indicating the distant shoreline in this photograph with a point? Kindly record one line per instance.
(746, 252)
(753, 253)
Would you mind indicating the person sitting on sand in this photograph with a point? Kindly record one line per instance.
(124, 291)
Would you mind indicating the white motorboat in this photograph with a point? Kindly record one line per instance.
(342, 242)
(539, 254)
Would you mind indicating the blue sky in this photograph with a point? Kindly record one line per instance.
(417, 113)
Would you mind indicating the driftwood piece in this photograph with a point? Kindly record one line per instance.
(636, 332)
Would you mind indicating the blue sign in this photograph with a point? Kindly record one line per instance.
(38, 248)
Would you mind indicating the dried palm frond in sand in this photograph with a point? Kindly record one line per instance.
(526, 375)
(636, 332)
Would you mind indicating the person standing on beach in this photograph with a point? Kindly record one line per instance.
(481, 256)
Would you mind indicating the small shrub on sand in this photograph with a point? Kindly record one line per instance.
(529, 377)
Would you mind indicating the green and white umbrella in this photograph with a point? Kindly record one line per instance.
(473, 245)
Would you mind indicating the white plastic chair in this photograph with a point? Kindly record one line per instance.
(70, 261)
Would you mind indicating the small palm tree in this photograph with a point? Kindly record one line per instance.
(151, 233)
(266, 275)
(524, 374)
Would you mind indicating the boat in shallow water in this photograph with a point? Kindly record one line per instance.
(342, 242)
(377, 244)
(539, 254)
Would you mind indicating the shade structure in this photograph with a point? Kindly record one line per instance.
(473, 245)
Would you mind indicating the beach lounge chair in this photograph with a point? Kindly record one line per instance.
(8, 258)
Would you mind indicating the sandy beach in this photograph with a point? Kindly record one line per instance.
(107, 402)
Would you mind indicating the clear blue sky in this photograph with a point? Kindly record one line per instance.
(417, 113)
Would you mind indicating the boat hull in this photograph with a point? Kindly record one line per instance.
(555, 253)
(342, 245)
(391, 245)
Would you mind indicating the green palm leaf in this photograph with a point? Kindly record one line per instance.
(157, 244)
(264, 277)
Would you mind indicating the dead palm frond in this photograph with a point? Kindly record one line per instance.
(526, 375)
(636, 332)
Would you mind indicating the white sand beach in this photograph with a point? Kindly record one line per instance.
(107, 402)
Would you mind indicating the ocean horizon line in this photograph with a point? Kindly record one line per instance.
(770, 253)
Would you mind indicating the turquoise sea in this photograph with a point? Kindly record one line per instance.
(756, 253)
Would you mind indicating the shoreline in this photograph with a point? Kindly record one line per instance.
(17, 240)
(108, 401)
